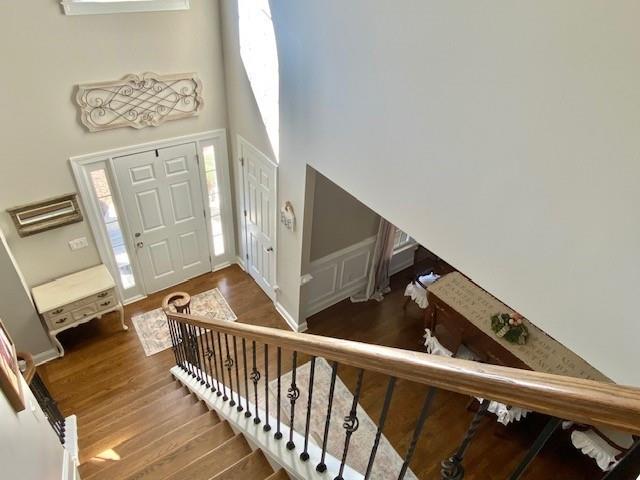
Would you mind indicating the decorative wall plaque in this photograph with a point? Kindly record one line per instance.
(139, 101)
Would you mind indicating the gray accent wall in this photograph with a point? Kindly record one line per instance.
(339, 219)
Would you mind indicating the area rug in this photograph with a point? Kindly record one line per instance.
(152, 328)
(387, 463)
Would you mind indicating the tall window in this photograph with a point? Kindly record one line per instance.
(260, 59)
(213, 190)
(112, 225)
(401, 240)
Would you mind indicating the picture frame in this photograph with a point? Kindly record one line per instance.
(45, 215)
(10, 381)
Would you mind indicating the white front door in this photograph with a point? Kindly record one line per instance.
(259, 175)
(162, 200)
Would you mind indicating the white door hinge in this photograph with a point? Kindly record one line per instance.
(245, 213)
(242, 161)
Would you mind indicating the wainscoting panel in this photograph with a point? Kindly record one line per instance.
(339, 275)
(344, 273)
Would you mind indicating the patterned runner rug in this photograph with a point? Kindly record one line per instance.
(152, 328)
(387, 463)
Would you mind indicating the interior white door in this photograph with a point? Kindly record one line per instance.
(162, 200)
(259, 175)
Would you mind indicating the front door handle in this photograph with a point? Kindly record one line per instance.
(270, 249)
(140, 244)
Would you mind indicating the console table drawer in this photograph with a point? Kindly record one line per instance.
(84, 311)
(105, 303)
(58, 322)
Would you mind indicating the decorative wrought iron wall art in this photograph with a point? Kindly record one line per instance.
(139, 101)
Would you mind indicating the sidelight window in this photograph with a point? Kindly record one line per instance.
(111, 223)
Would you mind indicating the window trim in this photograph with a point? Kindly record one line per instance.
(75, 7)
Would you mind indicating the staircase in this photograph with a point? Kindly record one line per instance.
(205, 422)
(168, 435)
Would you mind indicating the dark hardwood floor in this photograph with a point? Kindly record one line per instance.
(105, 369)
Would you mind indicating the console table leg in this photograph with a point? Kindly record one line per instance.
(121, 312)
(57, 343)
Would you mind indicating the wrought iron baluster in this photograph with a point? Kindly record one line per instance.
(322, 467)
(229, 364)
(418, 430)
(266, 427)
(235, 361)
(255, 378)
(189, 349)
(548, 430)
(304, 456)
(351, 424)
(49, 407)
(215, 361)
(247, 414)
(179, 344)
(278, 434)
(174, 343)
(383, 419)
(196, 354)
(209, 354)
(452, 468)
(293, 393)
(184, 343)
(203, 357)
(224, 386)
(628, 466)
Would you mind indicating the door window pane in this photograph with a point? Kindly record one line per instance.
(115, 234)
(109, 214)
(218, 245)
(213, 192)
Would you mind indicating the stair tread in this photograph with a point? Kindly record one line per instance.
(132, 460)
(132, 445)
(279, 475)
(121, 393)
(254, 466)
(214, 461)
(169, 389)
(185, 454)
(120, 429)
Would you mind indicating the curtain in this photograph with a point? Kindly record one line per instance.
(378, 276)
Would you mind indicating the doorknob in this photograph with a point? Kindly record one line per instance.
(140, 244)
(137, 234)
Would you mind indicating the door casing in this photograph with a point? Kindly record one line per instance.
(244, 149)
(81, 166)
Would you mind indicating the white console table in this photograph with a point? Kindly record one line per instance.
(75, 299)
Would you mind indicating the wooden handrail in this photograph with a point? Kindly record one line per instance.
(30, 371)
(579, 400)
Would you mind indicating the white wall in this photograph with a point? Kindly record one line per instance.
(29, 449)
(503, 135)
(244, 119)
(45, 54)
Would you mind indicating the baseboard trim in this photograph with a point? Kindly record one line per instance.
(46, 356)
(314, 308)
(240, 262)
(222, 265)
(293, 325)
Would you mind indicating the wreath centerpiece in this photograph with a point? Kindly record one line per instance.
(510, 327)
